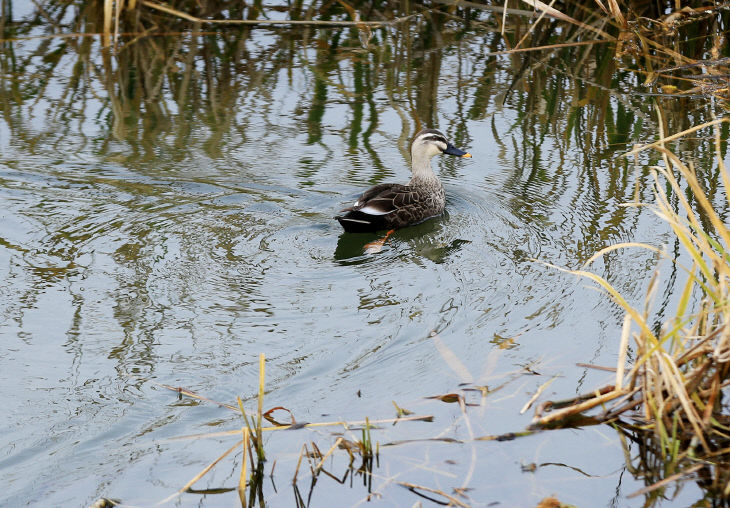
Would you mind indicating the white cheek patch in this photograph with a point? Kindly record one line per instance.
(372, 210)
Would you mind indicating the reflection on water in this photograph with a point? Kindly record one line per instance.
(426, 239)
(167, 216)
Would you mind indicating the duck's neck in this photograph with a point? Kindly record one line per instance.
(422, 171)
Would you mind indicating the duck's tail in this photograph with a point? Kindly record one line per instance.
(356, 221)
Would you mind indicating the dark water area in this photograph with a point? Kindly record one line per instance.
(167, 216)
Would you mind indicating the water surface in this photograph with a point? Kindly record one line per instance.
(167, 217)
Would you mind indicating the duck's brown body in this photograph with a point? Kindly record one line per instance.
(393, 205)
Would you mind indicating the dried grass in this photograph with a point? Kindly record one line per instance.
(672, 391)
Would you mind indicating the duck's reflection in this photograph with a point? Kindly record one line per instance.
(427, 240)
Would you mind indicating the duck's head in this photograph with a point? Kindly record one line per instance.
(430, 142)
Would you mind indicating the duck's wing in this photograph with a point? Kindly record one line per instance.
(374, 209)
(384, 198)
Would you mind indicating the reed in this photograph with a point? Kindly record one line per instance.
(670, 395)
(253, 441)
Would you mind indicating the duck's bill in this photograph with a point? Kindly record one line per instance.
(452, 150)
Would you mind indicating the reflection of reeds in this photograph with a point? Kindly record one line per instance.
(154, 72)
(671, 396)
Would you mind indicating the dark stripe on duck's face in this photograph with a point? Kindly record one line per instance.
(435, 137)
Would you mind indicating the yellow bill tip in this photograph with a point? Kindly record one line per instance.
(467, 155)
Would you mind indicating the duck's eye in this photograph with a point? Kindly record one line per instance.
(438, 139)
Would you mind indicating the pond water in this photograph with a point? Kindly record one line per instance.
(167, 217)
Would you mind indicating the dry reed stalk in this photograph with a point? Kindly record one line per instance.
(561, 414)
(548, 46)
(503, 10)
(615, 295)
(118, 7)
(666, 481)
(246, 432)
(504, 18)
(260, 417)
(414, 488)
(541, 6)
(345, 424)
(107, 23)
(596, 367)
(329, 452)
(615, 11)
(193, 395)
(242, 479)
(201, 474)
(537, 394)
(299, 463)
(623, 347)
(532, 26)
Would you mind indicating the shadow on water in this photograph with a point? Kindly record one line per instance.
(167, 205)
(350, 247)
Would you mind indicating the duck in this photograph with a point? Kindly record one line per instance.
(390, 206)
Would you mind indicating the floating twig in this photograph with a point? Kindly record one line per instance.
(537, 394)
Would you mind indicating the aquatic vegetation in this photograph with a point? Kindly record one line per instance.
(669, 385)
(252, 452)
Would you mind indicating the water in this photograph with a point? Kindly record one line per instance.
(171, 240)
